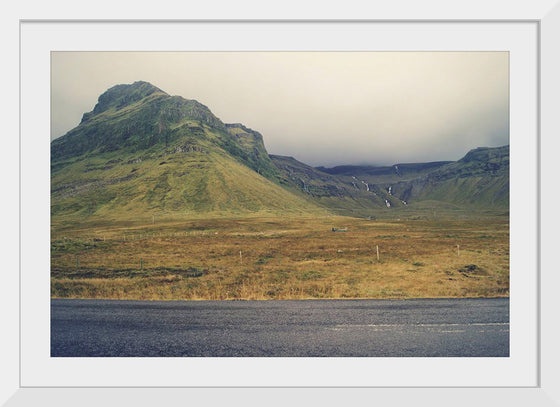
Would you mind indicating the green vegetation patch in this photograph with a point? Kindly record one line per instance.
(309, 275)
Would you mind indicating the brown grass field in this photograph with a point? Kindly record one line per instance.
(281, 258)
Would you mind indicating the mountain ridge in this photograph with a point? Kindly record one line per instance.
(165, 154)
(141, 150)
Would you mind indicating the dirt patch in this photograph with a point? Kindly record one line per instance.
(473, 269)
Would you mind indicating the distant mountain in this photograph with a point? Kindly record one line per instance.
(480, 180)
(393, 173)
(343, 195)
(142, 152)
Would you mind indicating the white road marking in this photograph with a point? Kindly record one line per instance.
(419, 325)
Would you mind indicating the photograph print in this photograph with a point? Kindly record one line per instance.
(280, 204)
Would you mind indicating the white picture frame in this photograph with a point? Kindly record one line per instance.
(546, 15)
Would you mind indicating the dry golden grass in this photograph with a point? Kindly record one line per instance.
(282, 258)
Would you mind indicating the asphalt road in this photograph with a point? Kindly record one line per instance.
(373, 328)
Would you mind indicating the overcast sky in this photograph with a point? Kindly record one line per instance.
(323, 108)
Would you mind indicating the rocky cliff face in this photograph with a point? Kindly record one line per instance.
(120, 96)
(135, 117)
(249, 146)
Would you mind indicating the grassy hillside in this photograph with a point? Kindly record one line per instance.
(342, 196)
(182, 183)
(477, 182)
(142, 153)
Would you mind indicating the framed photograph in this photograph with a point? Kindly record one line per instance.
(65, 57)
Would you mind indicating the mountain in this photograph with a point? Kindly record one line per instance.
(393, 173)
(337, 193)
(141, 152)
(479, 180)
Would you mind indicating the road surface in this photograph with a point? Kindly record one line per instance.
(314, 328)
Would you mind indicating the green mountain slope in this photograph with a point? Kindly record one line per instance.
(334, 192)
(142, 152)
(480, 180)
